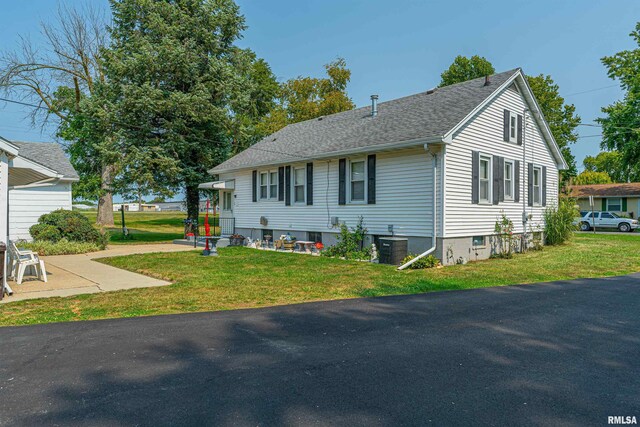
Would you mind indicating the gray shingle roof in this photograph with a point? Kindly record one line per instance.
(47, 154)
(425, 115)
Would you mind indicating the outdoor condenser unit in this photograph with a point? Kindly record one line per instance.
(264, 220)
(392, 250)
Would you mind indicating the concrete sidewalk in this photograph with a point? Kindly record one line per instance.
(79, 274)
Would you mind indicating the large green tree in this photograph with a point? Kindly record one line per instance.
(614, 165)
(463, 69)
(305, 98)
(590, 177)
(621, 124)
(562, 117)
(182, 90)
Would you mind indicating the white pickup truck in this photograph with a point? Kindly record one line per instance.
(601, 220)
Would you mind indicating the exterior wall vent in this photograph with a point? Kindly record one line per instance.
(264, 220)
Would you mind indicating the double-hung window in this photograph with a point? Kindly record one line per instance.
(226, 201)
(537, 185)
(273, 185)
(357, 180)
(268, 185)
(513, 128)
(264, 185)
(508, 180)
(485, 179)
(298, 185)
(614, 204)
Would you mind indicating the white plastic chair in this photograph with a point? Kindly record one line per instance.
(21, 259)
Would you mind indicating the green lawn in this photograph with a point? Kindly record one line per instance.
(242, 277)
(150, 227)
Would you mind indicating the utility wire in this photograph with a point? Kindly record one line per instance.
(592, 90)
(251, 147)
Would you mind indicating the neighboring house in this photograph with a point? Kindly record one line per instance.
(136, 207)
(171, 206)
(456, 156)
(623, 199)
(28, 202)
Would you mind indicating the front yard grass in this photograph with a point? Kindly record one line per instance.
(241, 278)
(150, 227)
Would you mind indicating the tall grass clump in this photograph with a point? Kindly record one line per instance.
(559, 226)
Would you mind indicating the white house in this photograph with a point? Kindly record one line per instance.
(438, 168)
(28, 201)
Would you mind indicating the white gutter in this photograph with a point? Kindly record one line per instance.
(435, 212)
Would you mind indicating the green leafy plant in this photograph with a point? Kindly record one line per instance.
(70, 225)
(506, 242)
(45, 232)
(60, 247)
(350, 243)
(428, 261)
(559, 226)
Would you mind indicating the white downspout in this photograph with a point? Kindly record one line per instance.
(435, 213)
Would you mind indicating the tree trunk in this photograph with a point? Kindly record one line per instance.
(193, 201)
(105, 204)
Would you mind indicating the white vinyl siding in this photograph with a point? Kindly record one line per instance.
(27, 204)
(484, 133)
(404, 181)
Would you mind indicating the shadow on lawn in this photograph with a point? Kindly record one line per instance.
(546, 354)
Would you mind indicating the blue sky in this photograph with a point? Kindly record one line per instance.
(396, 48)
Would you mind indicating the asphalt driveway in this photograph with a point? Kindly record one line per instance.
(565, 353)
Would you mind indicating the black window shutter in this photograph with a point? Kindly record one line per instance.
(530, 184)
(516, 182)
(544, 186)
(281, 184)
(287, 185)
(496, 180)
(254, 184)
(505, 130)
(342, 181)
(475, 177)
(371, 179)
(309, 183)
(519, 129)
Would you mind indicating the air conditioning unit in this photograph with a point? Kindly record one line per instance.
(335, 221)
(264, 220)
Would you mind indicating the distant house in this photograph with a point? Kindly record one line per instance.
(623, 199)
(437, 168)
(136, 207)
(53, 191)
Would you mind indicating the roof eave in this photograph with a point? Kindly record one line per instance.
(360, 150)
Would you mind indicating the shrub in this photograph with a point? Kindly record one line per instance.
(428, 261)
(72, 226)
(61, 247)
(558, 221)
(45, 232)
(506, 242)
(350, 243)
